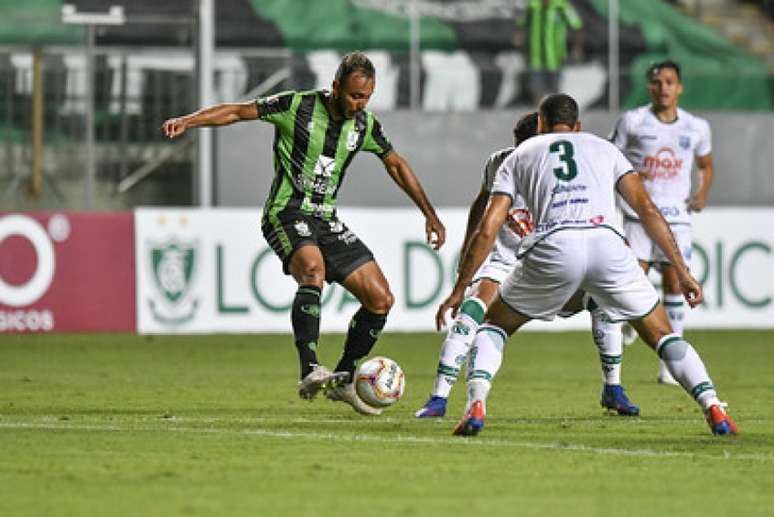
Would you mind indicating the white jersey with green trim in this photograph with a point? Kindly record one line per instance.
(567, 181)
(663, 153)
(507, 239)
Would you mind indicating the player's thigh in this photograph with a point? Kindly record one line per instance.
(307, 266)
(288, 231)
(505, 317)
(368, 284)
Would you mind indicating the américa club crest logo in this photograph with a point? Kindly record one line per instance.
(173, 267)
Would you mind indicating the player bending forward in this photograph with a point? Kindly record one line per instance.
(481, 293)
(568, 179)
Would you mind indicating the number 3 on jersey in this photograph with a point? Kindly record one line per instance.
(568, 170)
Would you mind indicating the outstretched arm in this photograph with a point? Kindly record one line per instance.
(401, 173)
(219, 115)
(632, 190)
(480, 244)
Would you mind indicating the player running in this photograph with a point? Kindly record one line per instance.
(568, 180)
(662, 140)
(317, 134)
(481, 293)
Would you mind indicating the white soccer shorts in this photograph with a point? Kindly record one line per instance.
(498, 264)
(596, 260)
(646, 250)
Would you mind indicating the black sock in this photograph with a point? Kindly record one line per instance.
(306, 325)
(363, 332)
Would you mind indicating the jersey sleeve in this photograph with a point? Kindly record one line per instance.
(275, 108)
(619, 134)
(704, 146)
(489, 173)
(504, 179)
(375, 141)
(621, 165)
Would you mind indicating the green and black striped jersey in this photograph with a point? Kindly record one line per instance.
(312, 150)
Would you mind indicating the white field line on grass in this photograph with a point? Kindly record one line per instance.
(398, 438)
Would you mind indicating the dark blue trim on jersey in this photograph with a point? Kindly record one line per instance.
(537, 241)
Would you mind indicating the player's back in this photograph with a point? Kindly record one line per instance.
(566, 179)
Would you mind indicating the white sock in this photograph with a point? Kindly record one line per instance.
(478, 389)
(486, 356)
(607, 337)
(456, 346)
(687, 368)
(675, 309)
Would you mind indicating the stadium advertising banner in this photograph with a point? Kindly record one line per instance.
(62, 272)
(211, 270)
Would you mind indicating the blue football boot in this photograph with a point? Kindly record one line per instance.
(472, 421)
(435, 407)
(614, 398)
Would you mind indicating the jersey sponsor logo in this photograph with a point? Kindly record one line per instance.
(352, 137)
(302, 229)
(664, 166)
(336, 226)
(324, 166)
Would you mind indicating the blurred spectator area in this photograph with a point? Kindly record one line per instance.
(747, 23)
(145, 70)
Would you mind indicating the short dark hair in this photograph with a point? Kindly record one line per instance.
(655, 68)
(355, 62)
(525, 128)
(558, 108)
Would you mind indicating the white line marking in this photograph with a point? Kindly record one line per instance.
(398, 438)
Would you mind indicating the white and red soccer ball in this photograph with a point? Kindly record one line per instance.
(379, 382)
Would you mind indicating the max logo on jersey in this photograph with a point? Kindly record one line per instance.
(664, 166)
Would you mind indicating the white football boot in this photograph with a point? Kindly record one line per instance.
(345, 392)
(318, 379)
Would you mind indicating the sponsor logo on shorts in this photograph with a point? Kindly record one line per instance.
(302, 229)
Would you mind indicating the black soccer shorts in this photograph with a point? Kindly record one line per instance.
(342, 250)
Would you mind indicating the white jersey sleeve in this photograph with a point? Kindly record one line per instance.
(704, 144)
(620, 133)
(490, 168)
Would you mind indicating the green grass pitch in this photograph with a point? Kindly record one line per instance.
(122, 425)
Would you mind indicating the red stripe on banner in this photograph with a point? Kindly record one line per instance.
(67, 272)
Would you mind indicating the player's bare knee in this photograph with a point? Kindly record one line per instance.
(383, 302)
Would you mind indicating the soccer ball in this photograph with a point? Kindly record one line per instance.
(379, 382)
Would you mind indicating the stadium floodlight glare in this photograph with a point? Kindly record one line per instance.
(114, 16)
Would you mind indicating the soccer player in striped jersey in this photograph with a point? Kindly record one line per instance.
(481, 293)
(662, 141)
(568, 180)
(317, 134)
